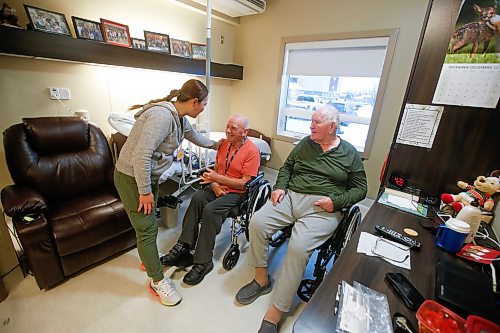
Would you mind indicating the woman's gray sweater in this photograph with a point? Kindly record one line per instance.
(148, 151)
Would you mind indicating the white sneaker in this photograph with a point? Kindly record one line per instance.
(165, 290)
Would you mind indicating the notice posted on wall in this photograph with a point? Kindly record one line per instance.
(419, 125)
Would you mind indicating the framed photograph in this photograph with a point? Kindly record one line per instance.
(181, 48)
(86, 29)
(47, 21)
(157, 42)
(199, 51)
(115, 33)
(138, 43)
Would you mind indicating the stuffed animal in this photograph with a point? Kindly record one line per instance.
(481, 191)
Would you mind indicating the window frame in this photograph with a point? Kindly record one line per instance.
(282, 84)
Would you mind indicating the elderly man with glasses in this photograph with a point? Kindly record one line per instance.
(237, 161)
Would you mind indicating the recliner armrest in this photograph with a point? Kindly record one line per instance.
(19, 201)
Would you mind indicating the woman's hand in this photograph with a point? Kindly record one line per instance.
(326, 203)
(146, 202)
(218, 143)
(218, 190)
(277, 196)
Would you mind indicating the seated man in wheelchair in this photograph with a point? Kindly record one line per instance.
(322, 175)
(237, 161)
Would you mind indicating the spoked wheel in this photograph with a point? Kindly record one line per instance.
(354, 218)
(231, 257)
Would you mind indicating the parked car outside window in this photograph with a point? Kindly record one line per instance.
(306, 102)
(344, 109)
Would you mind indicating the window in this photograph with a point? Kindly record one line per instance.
(348, 74)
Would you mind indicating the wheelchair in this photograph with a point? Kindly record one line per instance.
(331, 249)
(258, 192)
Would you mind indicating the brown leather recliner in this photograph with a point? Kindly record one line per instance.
(64, 205)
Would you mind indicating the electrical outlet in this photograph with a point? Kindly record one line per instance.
(64, 93)
(54, 93)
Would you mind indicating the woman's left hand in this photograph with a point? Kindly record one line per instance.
(326, 203)
(218, 143)
(146, 202)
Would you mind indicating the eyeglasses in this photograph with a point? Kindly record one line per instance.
(232, 128)
(380, 243)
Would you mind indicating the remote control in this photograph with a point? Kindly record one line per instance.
(396, 236)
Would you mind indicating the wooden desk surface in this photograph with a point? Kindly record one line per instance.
(370, 271)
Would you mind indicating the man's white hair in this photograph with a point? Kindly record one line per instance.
(331, 114)
(242, 119)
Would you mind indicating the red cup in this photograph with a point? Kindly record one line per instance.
(477, 324)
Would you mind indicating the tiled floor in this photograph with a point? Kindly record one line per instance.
(113, 297)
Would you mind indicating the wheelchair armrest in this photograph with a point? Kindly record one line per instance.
(252, 182)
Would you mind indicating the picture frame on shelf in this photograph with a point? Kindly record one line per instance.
(115, 33)
(157, 42)
(47, 20)
(199, 51)
(138, 43)
(87, 29)
(181, 48)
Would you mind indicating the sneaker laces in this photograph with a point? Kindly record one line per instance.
(166, 288)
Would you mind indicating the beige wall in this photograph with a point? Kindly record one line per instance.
(105, 89)
(256, 43)
(257, 47)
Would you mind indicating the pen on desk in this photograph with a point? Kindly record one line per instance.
(337, 299)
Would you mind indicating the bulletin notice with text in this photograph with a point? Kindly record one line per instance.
(419, 125)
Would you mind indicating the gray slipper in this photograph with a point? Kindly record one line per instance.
(268, 327)
(250, 292)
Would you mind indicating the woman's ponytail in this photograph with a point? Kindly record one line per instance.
(190, 89)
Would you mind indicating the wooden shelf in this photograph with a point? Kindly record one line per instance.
(20, 42)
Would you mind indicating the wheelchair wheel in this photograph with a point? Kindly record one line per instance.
(231, 257)
(354, 218)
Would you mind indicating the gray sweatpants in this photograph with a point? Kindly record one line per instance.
(313, 226)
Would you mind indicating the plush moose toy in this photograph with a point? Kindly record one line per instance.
(482, 191)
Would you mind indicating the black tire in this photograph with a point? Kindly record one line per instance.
(231, 257)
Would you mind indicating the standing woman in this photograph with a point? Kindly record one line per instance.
(160, 127)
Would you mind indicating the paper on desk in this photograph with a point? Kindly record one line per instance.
(401, 202)
(384, 250)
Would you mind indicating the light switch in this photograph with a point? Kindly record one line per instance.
(54, 93)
